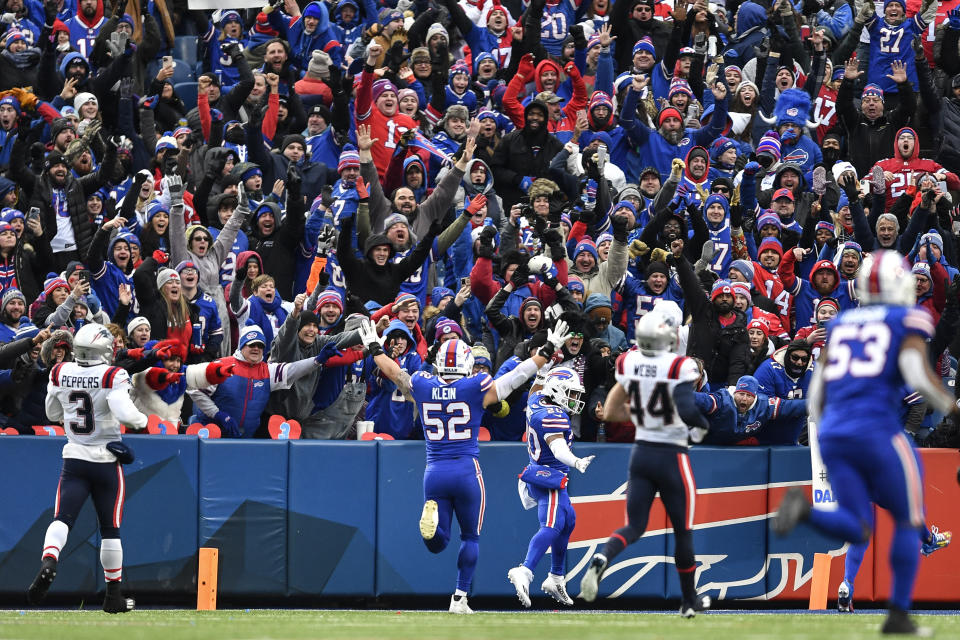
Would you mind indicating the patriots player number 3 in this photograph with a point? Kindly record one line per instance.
(84, 411)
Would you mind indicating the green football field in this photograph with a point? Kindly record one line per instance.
(386, 625)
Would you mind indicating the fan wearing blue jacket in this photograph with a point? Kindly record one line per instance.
(237, 404)
(786, 375)
(670, 140)
(348, 21)
(307, 33)
(387, 407)
(742, 415)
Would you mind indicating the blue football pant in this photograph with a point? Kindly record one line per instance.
(853, 464)
(103, 481)
(457, 487)
(557, 520)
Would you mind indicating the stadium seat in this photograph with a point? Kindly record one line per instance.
(182, 71)
(185, 48)
(483, 434)
(187, 91)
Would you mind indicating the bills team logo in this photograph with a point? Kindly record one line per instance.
(797, 156)
(793, 112)
(730, 525)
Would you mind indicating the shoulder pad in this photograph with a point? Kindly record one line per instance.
(114, 378)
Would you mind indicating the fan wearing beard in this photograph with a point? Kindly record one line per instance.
(60, 196)
(524, 155)
(718, 333)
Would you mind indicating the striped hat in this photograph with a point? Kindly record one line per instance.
(405, 299)
(770, 145)
(349, 157)
(768, 218)
(873, 90)
(599, 99)
(720, 287)
(51, 284)
(679, 85)
(645, 44)
(742, 289)
(330, 297)
(446, 325)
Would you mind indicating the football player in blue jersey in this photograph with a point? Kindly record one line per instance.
(855, 396)
(450, 405)
(543, 482)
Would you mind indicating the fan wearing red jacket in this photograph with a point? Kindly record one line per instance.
(906, 168)
(377, 106)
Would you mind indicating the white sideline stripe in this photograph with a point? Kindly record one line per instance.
(746, 487)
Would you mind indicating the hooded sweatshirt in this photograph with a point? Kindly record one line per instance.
(907, 171)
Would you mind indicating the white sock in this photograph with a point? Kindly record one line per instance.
(111, 557)
(460, 593)
(55, 539)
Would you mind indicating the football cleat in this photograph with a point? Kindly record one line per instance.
(590, 582)
(940, 539)
(845, 597)
(521, 577)
(41, 584)
(898, 622)
(115, 601)
(429, 520)
(690, 609)
(556, 586)
(460, 605)
(794, 508)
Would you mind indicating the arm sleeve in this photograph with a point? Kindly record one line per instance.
(283, 375)
(123, 409)
(203, 401)
(685, 399)
(560, 451)
(510, 381)
(916, 372)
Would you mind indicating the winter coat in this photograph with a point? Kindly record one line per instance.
(209, 264)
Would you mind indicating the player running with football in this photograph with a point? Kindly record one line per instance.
(92, 398)
(854, 397)
(450, 405)
(655, 389)
(544, 481)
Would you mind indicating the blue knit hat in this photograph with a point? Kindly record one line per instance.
(720, 146)
(744, 267)
(250, 334)
(153, 208)
(439, 293)
(586, 245)
(645, 44)
(768, 218)
(748, 384)
(625, 204)
(873, 90)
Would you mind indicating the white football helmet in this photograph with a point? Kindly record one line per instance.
(563, 387)
(92, 345)
(656, 332)
(454, 359)
(885, 278)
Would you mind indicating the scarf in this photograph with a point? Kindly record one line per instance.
(258, 313)
(172, 392)
(23, 59)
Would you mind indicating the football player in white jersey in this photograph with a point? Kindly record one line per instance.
(92, 398)
(655, 390)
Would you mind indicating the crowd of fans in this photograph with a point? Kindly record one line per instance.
(471, 170)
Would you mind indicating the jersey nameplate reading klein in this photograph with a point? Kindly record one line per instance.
(443, 393)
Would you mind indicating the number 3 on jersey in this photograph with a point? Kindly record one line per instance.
(83, 411)
(439, 421)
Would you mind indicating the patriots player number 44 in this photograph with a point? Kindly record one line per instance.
(451, 404)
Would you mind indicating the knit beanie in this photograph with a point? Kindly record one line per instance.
(165, 276)
(586, 245)
(349, 157)
(720, 287)
(769, 145)
(744, 267)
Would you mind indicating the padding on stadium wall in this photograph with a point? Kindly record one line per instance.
(294, 518)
